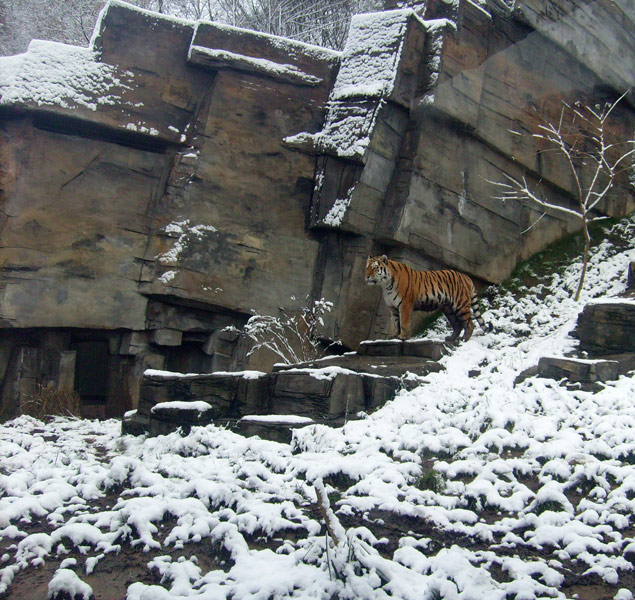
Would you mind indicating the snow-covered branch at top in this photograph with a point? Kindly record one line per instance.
(582, 137)
(293, 337)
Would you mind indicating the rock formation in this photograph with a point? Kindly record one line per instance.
(176, 176)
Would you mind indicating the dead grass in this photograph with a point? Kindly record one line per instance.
(49, 401)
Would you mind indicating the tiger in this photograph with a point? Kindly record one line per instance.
(405, 289)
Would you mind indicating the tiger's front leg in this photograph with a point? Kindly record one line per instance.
(394, 313)
(405, 315)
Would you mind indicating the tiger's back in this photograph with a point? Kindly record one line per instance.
(406, 289)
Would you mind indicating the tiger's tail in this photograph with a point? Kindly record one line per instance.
(476, 312)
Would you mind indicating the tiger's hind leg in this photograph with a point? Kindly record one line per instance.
(464, 316)
(454, 323)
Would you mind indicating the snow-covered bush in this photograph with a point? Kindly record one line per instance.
(293, 337)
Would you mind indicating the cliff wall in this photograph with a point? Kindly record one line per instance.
(176, 176)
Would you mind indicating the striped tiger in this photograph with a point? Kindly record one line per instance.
(405, 290)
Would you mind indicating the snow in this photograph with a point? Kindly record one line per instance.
(534, 484)
(258, 65)
(372, 54)
(186, 235)
(54, 74)
(161, 373)
(67, 581)
(174, 21)
(167, 276)
(367, 75)
(277, 419)
(326, 373)
(247, 374)
(622, 300)
(336, 214)
(293, 48)
(196, 405)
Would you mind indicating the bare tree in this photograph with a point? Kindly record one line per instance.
(582, 137)
(187, 9)
(71, 22)
(292, 337)
(321, 22)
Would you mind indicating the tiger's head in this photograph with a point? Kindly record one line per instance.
(377, 271)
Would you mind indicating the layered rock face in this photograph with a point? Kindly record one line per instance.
(175, 176)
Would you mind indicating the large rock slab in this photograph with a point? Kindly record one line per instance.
(428, 349)
(578, 369)
(278, 428)
(227, 394)
(331, 390)
(327, 393)
(607, 326)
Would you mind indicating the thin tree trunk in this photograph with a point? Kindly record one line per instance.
(587, 246)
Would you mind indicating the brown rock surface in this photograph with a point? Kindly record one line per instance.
(195, 172)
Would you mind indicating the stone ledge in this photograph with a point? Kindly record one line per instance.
(417, 348)
(223, 59)
(578, 370)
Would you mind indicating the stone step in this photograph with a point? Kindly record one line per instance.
(228, 394)
(278, 428)
(331, 390)
(388, 358)
(329, 394)
(584, 370)
(385, 366)
(431, 350)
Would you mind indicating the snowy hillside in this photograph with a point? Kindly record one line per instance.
(468, 487)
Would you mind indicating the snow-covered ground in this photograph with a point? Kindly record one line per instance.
(468, 487)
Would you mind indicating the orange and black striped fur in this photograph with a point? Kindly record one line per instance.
(406, 290)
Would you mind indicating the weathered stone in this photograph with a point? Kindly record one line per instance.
(396, 366)
(424, 349)
(580, 370)
(379, 390)
(607, 327)
(418, 348)
(135, 424)
(381, 348)
(280, 430)
(205, 185)
(183, 415)
(590, 45)
(167, 337)
(317, 393)
(228, 394)
(134, 342)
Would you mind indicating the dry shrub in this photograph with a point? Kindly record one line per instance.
(48, 401)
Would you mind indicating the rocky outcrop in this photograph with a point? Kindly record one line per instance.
(331, 390)
(177, 176)
(607, 326)
(606, 349)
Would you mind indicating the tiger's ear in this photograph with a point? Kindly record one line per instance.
(384, 259)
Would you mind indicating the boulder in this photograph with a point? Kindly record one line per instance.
(578, 370)
(607, 326)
